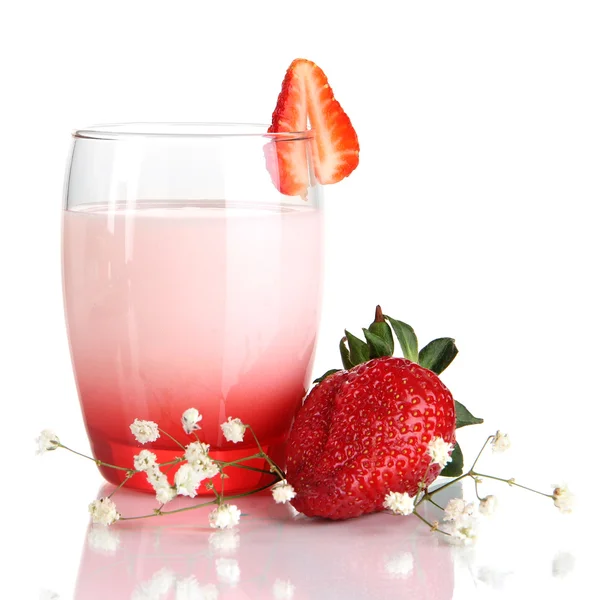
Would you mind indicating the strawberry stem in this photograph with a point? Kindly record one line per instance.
(379, 315)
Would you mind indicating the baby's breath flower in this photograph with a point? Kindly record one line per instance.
(463, 530)
(144, 431)
(563, 498)
(104, 511)
(233, 430)
(501, 442)
(399, 504)
(165, 494)
(144, 460)
(283, 492)
(283, 590)
(488, 505)
(103, 540)
(47, 441)
(228, 571)
(156, 478)
(440, 451)
(190, 419)
(187, 480)
(224, 516)
(457, 508)
(195, 452)
(206, 468)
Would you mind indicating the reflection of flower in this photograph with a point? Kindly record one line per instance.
(224, 516)
(225, 540)
(563, 498)
(104, 511)
(190, 589)
(283, 590)
(228, 571)
(440, 451)
(47, 441)
(399, 504)
(103, 540)
(157, 588)
(233, 430)
(400, 565)
(190, 419)
(144, 431)
(49, 595)
(562, 564)
(283, 492)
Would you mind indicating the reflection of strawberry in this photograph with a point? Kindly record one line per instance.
(306, 94)
(364, 432)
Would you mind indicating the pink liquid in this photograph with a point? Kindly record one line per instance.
(178, 305)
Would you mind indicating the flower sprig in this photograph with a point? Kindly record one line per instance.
(460, 518)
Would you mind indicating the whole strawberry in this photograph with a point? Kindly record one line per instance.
(363, 432)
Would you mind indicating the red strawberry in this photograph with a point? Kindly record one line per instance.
(364, 432)
(306, 95)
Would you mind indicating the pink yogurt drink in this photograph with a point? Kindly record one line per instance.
(209, 304)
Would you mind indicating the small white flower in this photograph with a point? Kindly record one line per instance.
(157, 587)
(563, 498)
(457, 508)
(463, 530)
(501, 442)
(190, 419)
(144, 431)
(47, 441)
(224, 540)
(156, 478)
(233, 430)
(283, 492)
(401, 565)
(195, 452)
(165, 494)
(440, 451)
(206, 468)
(488, 505)
(104, 511)
(187, 480)
(283, 590)
(224, 516)
(228, 571)
(144, 461)
(399, 504)
(103, 540)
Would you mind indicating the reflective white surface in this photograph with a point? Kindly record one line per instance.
(276, 553)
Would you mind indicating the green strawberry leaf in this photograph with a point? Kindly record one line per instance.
(454, 468)
(464, 417)
(326, 374)
(438, 354)
(377, 345)
(407, 338)
(345, 354)
(380, 328)
(359, 350)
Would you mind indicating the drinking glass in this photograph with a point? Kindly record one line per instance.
(190, 280)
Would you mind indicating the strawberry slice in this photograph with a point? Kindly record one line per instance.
(307, 96)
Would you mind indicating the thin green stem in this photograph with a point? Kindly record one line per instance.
(239, 460)
(430, 525)
(127, 478)
(510, 482)
(264, 455)
(160, 512)
(491, 437)
(171, 437)
(428, 498)
(443, 487)
(98, 462)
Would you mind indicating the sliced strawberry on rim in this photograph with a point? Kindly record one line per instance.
(307, 96)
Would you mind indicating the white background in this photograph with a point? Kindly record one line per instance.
(472, 213)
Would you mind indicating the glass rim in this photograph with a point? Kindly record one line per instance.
(175, 130)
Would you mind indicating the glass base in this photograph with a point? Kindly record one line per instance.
(238, 479)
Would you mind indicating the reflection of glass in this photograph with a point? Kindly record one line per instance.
(272, 554)
(189, 281)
